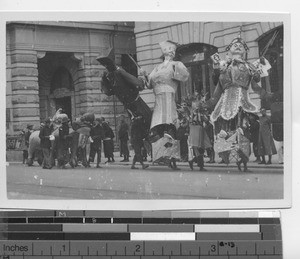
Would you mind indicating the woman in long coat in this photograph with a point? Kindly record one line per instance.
(266, 145)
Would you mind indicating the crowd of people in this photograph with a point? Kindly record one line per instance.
(226, 123)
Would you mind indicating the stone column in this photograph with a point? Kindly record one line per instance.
(22, 89)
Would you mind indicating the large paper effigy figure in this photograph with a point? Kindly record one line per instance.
(231, 99)
(164, 80)
(126, 87)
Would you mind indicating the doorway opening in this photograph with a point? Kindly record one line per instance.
(66, 104)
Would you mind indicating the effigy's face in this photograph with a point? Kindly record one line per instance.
(170, 53)
(237, 48)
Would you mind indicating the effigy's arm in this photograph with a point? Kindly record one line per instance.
(181, 73)
(131, 80)
(259, 90)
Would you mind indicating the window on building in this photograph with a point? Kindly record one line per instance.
(196, 57)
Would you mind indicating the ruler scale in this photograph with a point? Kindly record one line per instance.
(140, 235)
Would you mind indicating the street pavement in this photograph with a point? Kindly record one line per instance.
(118, 181)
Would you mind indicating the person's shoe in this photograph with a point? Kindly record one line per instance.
(98, 166)
(202, 169)
(145, 166)
(133, 167)
(262, 163)
(281, 163)
(126, 160)
(257, 160)
(191, 165)
(175, 168)
(269, 163)
(247, 170)
(222, 162)
(113, 160)
(123, 160)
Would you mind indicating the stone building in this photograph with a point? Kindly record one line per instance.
(199, 40)
(53, 64)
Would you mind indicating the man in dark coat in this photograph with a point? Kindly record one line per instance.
(62, 144)
(116, 81)
(27, 132)
(97, 135)
(254, 134)
(108, 143)
(266, 145)
(45, 144)
(137, 136)
(123, 136)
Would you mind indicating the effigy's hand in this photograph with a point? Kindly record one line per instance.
(256, 77)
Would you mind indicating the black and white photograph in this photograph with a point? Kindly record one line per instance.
(186, 111)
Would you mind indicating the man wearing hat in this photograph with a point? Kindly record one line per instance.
(116, 81)
(44, 135)
(97, 135)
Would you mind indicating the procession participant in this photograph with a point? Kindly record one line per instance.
(182, 136)
(254, 135)
(266, 145)
(198, 139)
(123, 136)
(116, 81)
(45, 144)
(26, 134)
(108, 143)
(209, 129)
(84, 129)
(164, 80)
(245, 151)
(231, 99)
(62, 143)
(97, 134)
(138, 133)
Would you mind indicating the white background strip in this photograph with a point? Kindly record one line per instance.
(227, 228)
(162, 236)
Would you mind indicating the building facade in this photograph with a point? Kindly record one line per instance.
(53, 64)
(199, 40)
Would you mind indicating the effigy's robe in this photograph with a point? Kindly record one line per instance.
(165, 149)
(232, 148)
(232, 92)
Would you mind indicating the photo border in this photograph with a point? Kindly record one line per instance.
(155, 204)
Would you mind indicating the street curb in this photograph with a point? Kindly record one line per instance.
(232, 165)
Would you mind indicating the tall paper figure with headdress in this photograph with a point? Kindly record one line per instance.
(231, 99)
(164, 80)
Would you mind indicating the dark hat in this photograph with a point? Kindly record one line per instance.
(107, 54)
(239, 40)
(29, 126)
(48, 120)
(98, 119)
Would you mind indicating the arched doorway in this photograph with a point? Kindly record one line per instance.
(61, 90)
(196, 57)
(58, 80)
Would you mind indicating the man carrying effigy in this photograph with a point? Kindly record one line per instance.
(231, 100)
